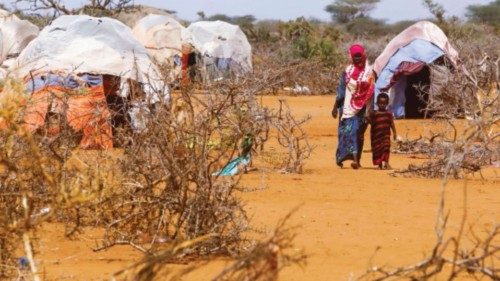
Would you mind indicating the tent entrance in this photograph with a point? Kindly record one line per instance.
(417, 93)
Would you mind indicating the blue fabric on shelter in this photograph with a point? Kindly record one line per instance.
(417, 51)
(231, 168)
(68, 81)
(223, 64)
(92, 80)
(398, 100)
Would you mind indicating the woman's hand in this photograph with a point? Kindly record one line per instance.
(334, 113)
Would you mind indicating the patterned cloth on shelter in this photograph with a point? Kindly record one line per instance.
(421, 44)
(355, 89)
(79, 99)
(380, 134)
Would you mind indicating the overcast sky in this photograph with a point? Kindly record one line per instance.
(392, 10)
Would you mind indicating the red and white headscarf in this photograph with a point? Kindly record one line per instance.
(363, 77)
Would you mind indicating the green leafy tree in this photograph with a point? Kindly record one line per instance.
(309, 41)
(489, 13)
(344, 11)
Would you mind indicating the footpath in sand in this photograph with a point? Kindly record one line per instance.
(345, 215)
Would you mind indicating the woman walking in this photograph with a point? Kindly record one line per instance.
(353, 93)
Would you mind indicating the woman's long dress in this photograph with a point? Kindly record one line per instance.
(352, 125)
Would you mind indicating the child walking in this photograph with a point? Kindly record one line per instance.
(382, 122)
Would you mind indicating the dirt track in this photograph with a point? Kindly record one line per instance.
(345, 214)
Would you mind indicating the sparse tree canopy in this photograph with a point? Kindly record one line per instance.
(91, 7)
(489, 13)
(343, 11)
(238, 20)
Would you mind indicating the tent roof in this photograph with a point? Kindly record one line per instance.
(7, 16)
(220, 39)
(417, 51)
(84, 44)
(14, 36)
(160, 34)
(130, 17)
(423, 30)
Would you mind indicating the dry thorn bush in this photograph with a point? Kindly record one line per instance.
(169, 192)
(267, 258)
(471, 93)
(262, 261)
(159, 189)
(168, 170)
(319, 78)
(453, 257)
(292, 137)
(37, 183)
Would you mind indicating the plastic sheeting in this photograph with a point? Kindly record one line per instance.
(80, 99)
(84, 44)
(417, 51)
(423, 30)
(218, 39)
(7, 16)
(15, 34)
(70, 82)
(234, 167)
(161, 35)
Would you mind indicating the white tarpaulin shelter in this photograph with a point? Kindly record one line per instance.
(84, 44)
(423, 30)
(161, 35)
(7, 16)
(14, 36)
(404, 66)
(218, 39)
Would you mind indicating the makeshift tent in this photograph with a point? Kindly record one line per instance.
(404, 66)
(161, 35)
(84, 44)
(14, 36)
(81, 60)
(223, 47)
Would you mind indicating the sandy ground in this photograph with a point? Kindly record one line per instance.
(345, 215)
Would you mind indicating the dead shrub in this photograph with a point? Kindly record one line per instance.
(471, 93)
